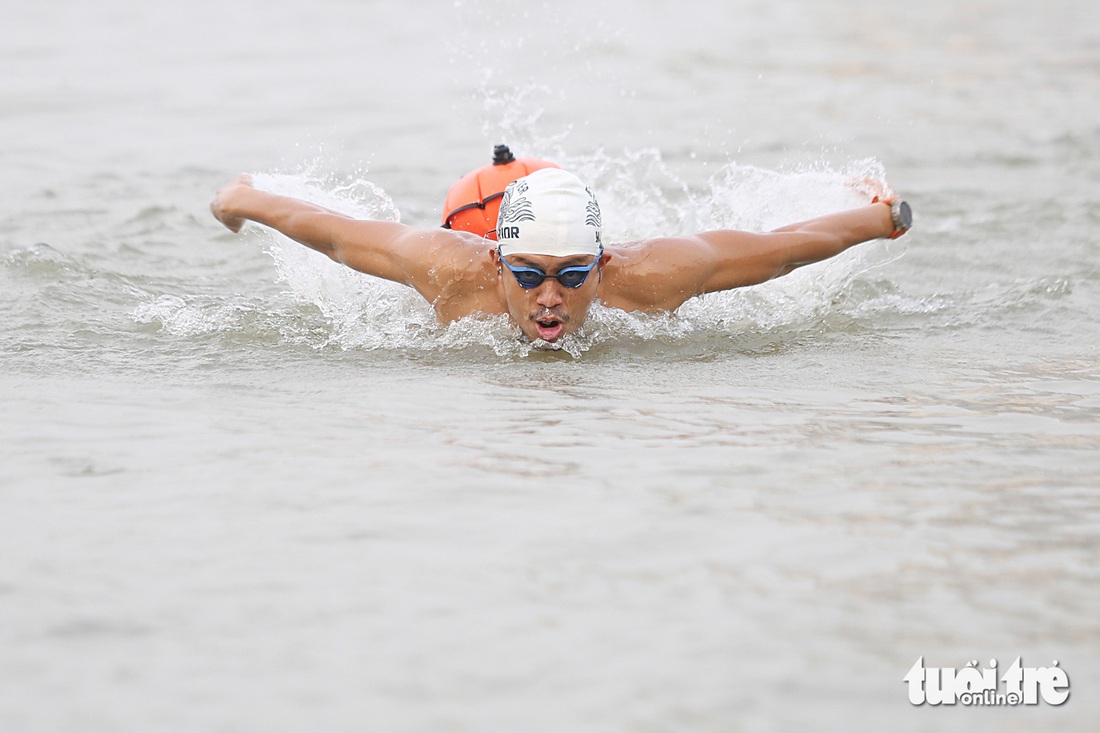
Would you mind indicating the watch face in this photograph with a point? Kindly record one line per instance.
(905, 216)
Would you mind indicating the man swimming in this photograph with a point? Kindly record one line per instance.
(548, 263)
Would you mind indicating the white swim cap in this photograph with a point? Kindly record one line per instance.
(549, 212)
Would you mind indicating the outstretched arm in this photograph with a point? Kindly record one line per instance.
(381, 248)
(741, 259)
(671, 270)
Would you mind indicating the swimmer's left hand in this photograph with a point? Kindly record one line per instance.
(874, 189)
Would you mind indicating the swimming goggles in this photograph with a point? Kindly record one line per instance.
(570, 277)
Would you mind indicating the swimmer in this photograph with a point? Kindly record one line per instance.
(546, 262)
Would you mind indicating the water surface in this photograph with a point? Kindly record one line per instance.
(244, 489)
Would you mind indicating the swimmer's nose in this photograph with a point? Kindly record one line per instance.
(549, 293)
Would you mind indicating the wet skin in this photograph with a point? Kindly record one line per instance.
(550, 310)
(460, 275)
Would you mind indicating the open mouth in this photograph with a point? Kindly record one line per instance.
(549, 328)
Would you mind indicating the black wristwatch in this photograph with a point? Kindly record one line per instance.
(901, 214)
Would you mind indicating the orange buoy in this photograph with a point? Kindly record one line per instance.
(473, 201)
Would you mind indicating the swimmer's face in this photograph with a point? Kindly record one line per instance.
(550, 310)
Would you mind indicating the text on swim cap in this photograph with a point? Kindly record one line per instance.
(508, 233)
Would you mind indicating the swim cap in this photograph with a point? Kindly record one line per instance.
(549, 212)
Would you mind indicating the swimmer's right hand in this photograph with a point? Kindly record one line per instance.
(222, 205)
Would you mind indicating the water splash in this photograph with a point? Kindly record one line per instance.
(329, 305)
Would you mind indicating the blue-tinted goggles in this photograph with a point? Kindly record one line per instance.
(569, 277)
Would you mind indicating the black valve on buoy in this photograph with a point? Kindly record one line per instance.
(502, 155)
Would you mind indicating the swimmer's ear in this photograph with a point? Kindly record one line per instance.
(604, 259)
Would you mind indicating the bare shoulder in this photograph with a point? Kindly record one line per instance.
(655, 274)
(453, 271)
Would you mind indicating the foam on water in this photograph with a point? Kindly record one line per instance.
(331, 305)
